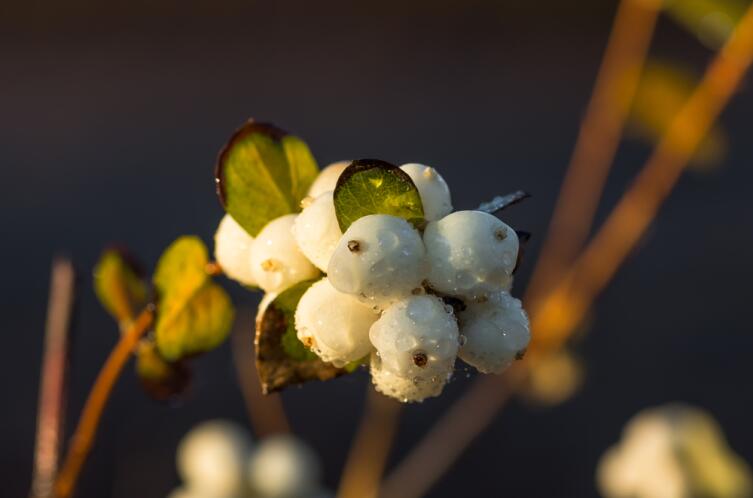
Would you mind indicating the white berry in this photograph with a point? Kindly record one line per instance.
(276, 261)
(232, 250)
(407, 389)
(316, 230)
(327, 179)
(334, 325)
(212, 459)
(284, 467)
(470, 253)
(380, 258)
(434, 192)
(494, 333)
(416, 337)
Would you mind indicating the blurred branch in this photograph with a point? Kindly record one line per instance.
(562, 309)
(565, 306)
(266, 413)
(371, 447)
(598, 139)
(86, 430)
(53, 378)
(447, 439)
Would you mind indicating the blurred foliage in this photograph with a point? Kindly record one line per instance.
(711, 21)
(119, 284)
(663, 89)
(161, 379)
(554, 378)
(194, 314)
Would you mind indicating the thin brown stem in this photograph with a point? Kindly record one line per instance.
(371, 447)
(53, 379)
(86, 430)
(598, 139)
(266, 413)
(563, 308)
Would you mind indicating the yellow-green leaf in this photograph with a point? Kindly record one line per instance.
(711, 21)
(119, 284)
(263, 173)
(371, 186)
(160, 379)
(662, 91)
(281, 359)
(194, 314)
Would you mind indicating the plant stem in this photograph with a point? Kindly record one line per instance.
(266, 413)
(598, 139)
(566, 304)
(83, 438)
(371, 447)
(447, 439)
(54, 377)
(563, 308)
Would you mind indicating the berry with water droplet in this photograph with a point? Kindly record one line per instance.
(497, 333)
(380, 258)
(470, 254)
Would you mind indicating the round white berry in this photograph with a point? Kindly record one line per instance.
(316, 230)
(327, 179)
(212, 459)
(416, 337)
(470, 253)
(334, 325)
(405, 388)
(494, 333)
(232, 250)
(284, 467)
(380, 258)
(276, 261)
(434, 192)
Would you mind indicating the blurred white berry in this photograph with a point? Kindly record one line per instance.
(334, 325)
(327, 179)
(407, 389)
(232, 250)
(470, 253)
(276, 261)
(417, 338)
(316, 230)
(494, 332)
(380, 258)
(212, 459)
(284, 467)
(434, 192)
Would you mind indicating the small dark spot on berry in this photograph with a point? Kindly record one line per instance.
(420, 359)
(520, 354)
(354, 246)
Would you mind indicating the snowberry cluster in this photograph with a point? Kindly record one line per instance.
(217, 459)
(410, 301)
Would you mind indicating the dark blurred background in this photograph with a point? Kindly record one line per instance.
(112, 115)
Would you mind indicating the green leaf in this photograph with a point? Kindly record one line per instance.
(194, 314)
(119, 284)
(263, 173)
(281, 359)
(371, 186)
(161, 379)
